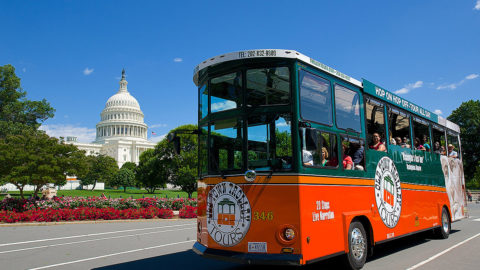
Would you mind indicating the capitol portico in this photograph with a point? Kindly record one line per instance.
(121, 132)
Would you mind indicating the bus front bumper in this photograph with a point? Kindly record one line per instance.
(247, 258)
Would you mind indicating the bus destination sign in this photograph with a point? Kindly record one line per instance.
(385, 95)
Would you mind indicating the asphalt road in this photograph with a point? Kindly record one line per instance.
(161, 244)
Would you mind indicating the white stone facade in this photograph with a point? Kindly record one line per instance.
(121, 132)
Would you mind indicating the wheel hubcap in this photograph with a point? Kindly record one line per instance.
(357, 242)
(445, 222)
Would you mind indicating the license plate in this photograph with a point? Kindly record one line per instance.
(258, 247)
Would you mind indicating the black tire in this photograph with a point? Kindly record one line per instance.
(357, 246)
(444, 231)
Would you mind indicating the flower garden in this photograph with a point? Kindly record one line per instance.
(93, 208)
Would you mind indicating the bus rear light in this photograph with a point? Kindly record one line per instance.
(289, 234)
(286, 234)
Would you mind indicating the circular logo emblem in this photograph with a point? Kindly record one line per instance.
(388, 193)
(228, 214)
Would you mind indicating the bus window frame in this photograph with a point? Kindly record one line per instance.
(424, 122)
(452, 133)
(334, 108)
(366, 99)
(404, 113)
(320, 131)
(332, 101)
(442, 130)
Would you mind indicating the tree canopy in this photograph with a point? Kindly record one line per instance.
(100, 168)
(467, 116)
(34, 158)
(17, 113)
(123, 178)
(152, 172)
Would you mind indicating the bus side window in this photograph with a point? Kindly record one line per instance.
(439, 143)
(398, 128)
(453, 147)
(421, 135)
(319, 149)
(375, 122)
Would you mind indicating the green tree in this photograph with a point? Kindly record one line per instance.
(17, 113)
(129, 165)
(467, 116)
(123, 178)
(185, 164)
(152, 172)
(34, 158)
(100, 168)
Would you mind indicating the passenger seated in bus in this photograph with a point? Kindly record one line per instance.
(377, 143)
(406, 142)
(451, 152)
(436, 148)
(417, 145)
(307, 158)
(324, 160)
(442, 150)
(400, 143)
(426, 145)
(357, 156)
(347, 160)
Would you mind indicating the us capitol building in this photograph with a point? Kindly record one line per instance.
(121, 132)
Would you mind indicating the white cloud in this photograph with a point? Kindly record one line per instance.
(158, 125)
(87, 71)
(83, 134)
(178, 60)
(437, 111)
(472, 76)
(156, 139)
(407, 88)
(457, 84)
(222, 106)
(477, 5)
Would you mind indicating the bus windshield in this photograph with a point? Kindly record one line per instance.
(249, 123)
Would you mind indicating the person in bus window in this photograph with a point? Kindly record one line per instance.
(377, 143)
(451, 152)
(357, 156)
(442, 150)
(426, 145)
(406, 142)
(307, 158)
(436, 148)
(347, 160)
(417, 145)
(324, 160)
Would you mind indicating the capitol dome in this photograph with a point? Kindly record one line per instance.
(122, 117)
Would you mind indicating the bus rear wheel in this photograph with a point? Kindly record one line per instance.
(357, 246)
(444, 231)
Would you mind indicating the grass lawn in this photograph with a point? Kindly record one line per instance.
(112, 193)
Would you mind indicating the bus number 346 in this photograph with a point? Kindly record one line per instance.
(262, 216)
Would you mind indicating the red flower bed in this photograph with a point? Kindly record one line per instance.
(83, 213)
(188, 212)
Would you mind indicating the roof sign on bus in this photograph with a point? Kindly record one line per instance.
(330, 70)
(385, 95)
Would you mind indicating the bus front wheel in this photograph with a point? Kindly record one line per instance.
(444, 231)
(357, 246)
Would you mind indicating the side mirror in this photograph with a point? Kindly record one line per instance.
(173, 138)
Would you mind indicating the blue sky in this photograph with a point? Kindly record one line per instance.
(72, 52)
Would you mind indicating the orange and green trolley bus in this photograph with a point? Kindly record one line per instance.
(299, 162)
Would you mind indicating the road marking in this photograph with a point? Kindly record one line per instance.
(111, 255)
(91, 240)
(478, 219)
(91, 234)
(443, 252)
